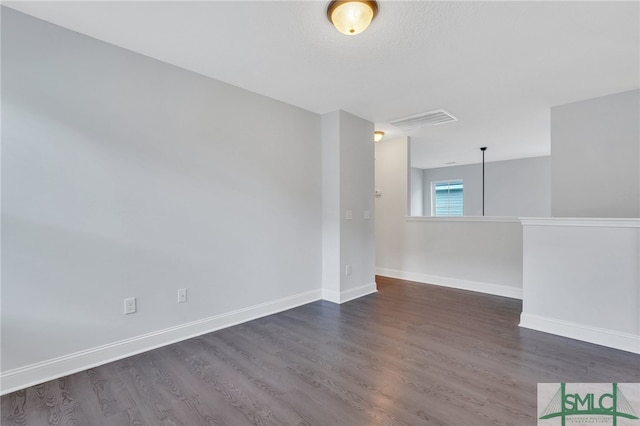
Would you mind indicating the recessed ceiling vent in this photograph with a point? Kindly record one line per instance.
(431, 118)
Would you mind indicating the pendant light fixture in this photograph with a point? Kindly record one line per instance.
(352, 17)
(378, 135)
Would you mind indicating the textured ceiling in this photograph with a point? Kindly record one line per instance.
(497, 66)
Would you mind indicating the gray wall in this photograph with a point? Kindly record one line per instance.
(357, 242)
(347, 164)
(595, 157)
(419, 199)
(512, 188)
(581, 279)
(123, 176)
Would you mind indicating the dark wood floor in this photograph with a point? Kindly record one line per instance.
(411, 354)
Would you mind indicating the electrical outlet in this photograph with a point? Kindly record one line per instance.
(367, 214)
(130, 306)
(347, 270)
(182, 295)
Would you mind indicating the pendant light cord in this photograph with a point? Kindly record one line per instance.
(483, 149)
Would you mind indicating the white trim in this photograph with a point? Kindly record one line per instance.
(29, 375)
(348, 295)
(502, 219)
(357, 292)
(331, 296)
(581, 221)
(480, 287)
(599, 336)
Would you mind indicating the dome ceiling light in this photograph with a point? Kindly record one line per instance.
(351, 17)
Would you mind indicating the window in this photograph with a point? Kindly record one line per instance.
(447, 198)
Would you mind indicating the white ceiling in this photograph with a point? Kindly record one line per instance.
(497, 66)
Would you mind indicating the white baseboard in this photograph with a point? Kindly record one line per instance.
(23, 377)
(478, 286)
(347, 295)
(331, 296)
(357, 292)
(599, 336)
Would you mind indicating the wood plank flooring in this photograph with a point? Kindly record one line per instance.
(412, 354)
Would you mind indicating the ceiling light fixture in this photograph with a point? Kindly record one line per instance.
(378, 135)
(351, 17)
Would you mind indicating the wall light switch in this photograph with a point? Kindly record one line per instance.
(349, 214)
(182, 295)
(367, 214)
(130, 305)
(347, 270)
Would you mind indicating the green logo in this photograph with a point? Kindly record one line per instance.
(612, 404)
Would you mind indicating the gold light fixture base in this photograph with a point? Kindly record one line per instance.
(352, 17)
(378, 135)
